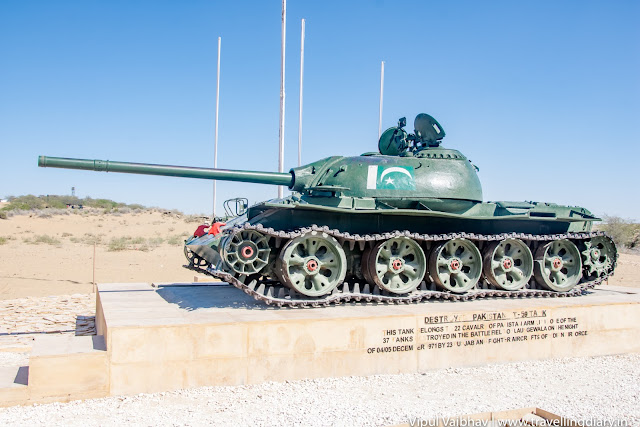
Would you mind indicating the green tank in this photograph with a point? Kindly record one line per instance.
(404, 224)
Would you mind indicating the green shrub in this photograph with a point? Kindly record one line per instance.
(90, 239)
(625, 234)
(133, 243)
(31, 202)
(3, 240)
(195, 218)
(119, 244)
(154, 242)
(176, 240)
(42, 239)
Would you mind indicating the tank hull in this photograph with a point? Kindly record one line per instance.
(483, 218)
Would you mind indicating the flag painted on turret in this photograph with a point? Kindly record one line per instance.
(391, 178)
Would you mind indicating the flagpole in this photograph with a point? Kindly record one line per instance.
(381, 93)
(281, 131)
(300, 107)
(215, 144)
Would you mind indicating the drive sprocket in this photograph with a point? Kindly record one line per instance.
(599, 255)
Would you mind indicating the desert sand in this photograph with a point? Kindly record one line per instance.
(62, 263)
(54, 256)
(46, 284)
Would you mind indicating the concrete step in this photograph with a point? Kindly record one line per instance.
(61, 368)
(67, 367)
(13, 385)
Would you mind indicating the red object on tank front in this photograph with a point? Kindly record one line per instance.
(201, 230)
(215, 228)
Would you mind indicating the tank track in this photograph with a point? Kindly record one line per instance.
(274, 293)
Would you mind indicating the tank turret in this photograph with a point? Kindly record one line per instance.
(406, 223)
(409, 171)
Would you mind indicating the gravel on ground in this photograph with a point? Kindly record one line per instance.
(583, 389)
(22, 319)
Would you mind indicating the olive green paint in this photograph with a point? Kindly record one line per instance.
(422, 188)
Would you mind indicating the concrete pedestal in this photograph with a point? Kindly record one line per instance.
(172, 336)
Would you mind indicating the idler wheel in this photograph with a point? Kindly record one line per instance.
(397, 265)
(455, 265)
(246, 252)
(508, 264)
(599, 255)
(312, 264)
(557, 265)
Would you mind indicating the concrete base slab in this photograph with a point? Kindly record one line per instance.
(61, 368)
(172, 337)
(164, 337)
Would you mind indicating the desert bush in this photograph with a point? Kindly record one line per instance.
(42, 239)
(154, 242)
(3, 214)
(65, 234)
(31, 202)
(25, 203)
(3, 240)
(119, 244)
(176, 240)
(625, 233)
(125, 243)
(87, 239)
(195, 218)
(90, 239)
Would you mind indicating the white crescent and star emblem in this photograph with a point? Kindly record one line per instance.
(381, 178)
(395, 169)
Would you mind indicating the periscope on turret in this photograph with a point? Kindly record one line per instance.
(406, 223)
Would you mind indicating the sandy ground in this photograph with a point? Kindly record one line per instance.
(43, 269)
(627, 271)
(37, 280)
(64, 266)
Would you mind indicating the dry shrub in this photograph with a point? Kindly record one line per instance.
(195, 218)
(176, 240)
(625, 233)
(128, 243)
(42, 239)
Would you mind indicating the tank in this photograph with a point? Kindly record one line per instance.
(404, 224)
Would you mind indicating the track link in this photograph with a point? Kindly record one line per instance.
(274, 293)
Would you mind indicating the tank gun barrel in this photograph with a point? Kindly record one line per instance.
(271, 178)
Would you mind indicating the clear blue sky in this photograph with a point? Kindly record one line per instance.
(544, 96)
